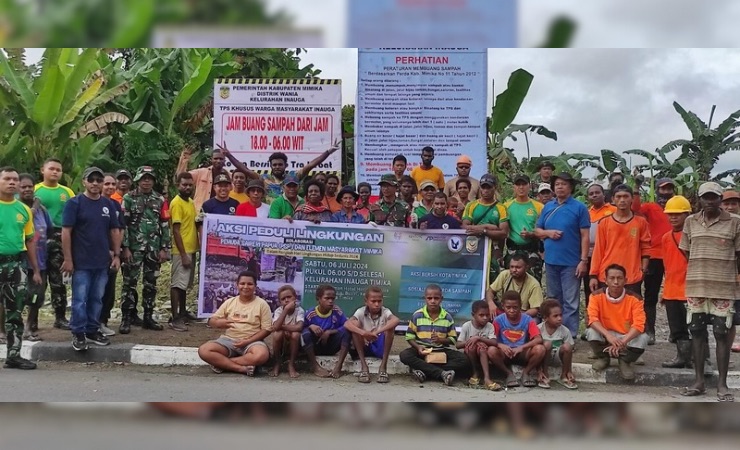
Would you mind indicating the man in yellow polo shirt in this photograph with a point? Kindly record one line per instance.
(16, 239)
(185, 244)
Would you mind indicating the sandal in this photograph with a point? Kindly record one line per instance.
(250, 371)
(494, 387)
(217, 370)
(383, 377)
(692, 392)
(725, 397)
(735, 348)
(364, 377)
(418, 375)
(567, 384)
(511, 381)
(473, 381)
(528, 381)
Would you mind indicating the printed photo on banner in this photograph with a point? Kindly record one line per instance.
(349, 257)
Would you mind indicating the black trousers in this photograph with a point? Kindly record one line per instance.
(109, 297)
(586, 287)
(676, 312)
(652, 281)
(456, 361)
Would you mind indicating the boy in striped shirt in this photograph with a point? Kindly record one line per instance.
(431, 328)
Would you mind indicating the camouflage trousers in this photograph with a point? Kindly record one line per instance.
(149, 262)
(54, 262)
(531, 252)
(13, 292)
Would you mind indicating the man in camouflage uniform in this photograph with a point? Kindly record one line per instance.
(146, 242)
(16, 239)
(389, 210)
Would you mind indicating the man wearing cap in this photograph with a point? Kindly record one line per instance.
(347, 198)
(426, 171)
(16, 238)
(424, 206)
(185, 244)
(123, 184)
(389, 210)
(523, 213)
(544, 193)
(286, 205)
(486, 217)
(91, 246)
(220, 204)
(564, 226)
(254, 207)
(54, 196)
(464, 163)
(544, 175)
(278, 164)
(731, 204)
(621, 238)
(659, 226)
(146, 241)
(711, 242)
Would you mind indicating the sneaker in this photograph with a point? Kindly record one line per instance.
(177, 324)
(217, 370)
(79, 343)
(97, 338)
(106, 331)
(418, 375)
(16, 362)
(448, 376)
(61, 323)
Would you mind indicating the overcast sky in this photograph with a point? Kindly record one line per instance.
(598, 98)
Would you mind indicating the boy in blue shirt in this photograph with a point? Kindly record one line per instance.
(324, 333)
(519, 342)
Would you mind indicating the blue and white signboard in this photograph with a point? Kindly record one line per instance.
(410, 98)
(432, 23)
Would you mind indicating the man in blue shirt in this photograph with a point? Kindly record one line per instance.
(438, 219)
(91, 245)
(564, 226)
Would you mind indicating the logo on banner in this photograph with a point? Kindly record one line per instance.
(454, 244)
(224, 92)
(471, 244)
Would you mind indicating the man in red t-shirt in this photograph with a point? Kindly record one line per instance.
(659, 225)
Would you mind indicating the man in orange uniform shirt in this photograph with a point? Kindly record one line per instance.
(659, 226)
(621, 238)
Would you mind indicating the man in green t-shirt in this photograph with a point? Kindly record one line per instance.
(486, 217)
(523, 213)
(16, 242)
(54, 196)
(284, 206)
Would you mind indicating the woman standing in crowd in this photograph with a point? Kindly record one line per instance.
(347, 199)
(363, 204)
(314, 210)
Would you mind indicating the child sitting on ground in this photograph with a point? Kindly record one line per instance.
(372, 327)
(558, 343)
(287, 325)
(324, 333)
(478, 337)
(519, 342)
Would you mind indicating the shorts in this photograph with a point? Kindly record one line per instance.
(736, 318)
(236, 351)
(375, 349)
(713, 307)
(641, 341)
(182, 278)
(555, 356)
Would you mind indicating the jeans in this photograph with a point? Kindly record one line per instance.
(652, 280)
(88, 287)
(109, 298)
(564, 285)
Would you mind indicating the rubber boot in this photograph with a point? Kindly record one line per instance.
(149, 323)
(602, 359)
(125, 327)
(136, 320)
(61, 322)
(683, 356)
(629, 356)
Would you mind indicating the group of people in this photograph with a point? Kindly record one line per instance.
(615, 244)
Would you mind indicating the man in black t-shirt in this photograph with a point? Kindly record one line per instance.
(438, 219)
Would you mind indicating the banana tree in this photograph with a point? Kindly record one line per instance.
(52, 108)
(707, 145)
(501, 159)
